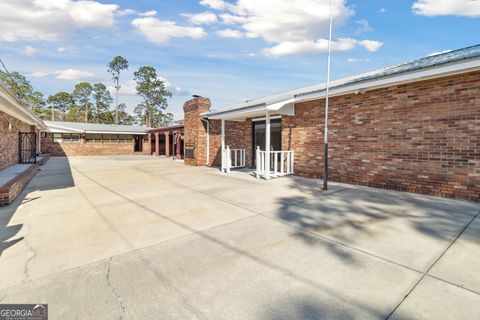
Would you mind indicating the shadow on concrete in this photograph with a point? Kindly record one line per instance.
(359, 208)
(55, 174)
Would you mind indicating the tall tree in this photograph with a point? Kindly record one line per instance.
(23, 89)
(60, 102)
(123, 116)
(153, 91)
(82, 95)
(115, 66)
(102, 99)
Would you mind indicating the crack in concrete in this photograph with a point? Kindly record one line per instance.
(114, 291)
(26, 269)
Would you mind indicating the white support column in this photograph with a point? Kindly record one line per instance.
(223, 145)
(267, 145)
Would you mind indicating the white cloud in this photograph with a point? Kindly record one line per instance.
(289, 26)
(230, 33)
(468, 8)
(29, 51)
(201, 18)
(158, 31)
(382, 10)
(73, 74)
(128, 88)
(354, 60)
(214, 4)
(149, 13)
(126, 12)
(363, 26)
(39, 74)
(48, 20)
(61, 49)
(318, 46)
(371, 45)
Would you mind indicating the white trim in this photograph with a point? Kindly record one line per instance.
(10, 105)
(265, 118)
(258, 109)
(410, 77)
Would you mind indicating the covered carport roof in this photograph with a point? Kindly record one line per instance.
(449, 63)
(80, 127)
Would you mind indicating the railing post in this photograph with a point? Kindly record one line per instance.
(229, 160)
(293, 161)
(257, 164)
(223, 145)
(282, 163)
(235, 157)
(275, 162)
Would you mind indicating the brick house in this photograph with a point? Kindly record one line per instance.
(86, 139)
(412, 127)
(19, 145)
(15, 120)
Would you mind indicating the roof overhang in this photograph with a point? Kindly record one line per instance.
(286, 105)
(13, 107)
(55, 128)
(414, 76)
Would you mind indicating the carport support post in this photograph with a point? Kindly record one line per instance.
(167, 144)
(149, 144)
(267, 145)
(223, 144)
(157, 144)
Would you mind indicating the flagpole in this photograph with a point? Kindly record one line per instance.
(327, 92)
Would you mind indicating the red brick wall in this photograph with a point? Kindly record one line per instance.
(422, 137)
(195, 132)
(84, 148)
(9, 139)
(238, 135)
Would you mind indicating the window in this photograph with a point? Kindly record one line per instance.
(93, 137)
(66, 137)
(125, 138)
(110, 138)
(43, 134)
(57, 137)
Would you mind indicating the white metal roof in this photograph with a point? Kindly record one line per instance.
(80, 127)
(453, 62)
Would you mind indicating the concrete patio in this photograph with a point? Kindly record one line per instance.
(143, 238)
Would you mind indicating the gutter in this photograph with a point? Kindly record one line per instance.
(208, 140)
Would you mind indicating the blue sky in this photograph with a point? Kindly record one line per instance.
(228, 51)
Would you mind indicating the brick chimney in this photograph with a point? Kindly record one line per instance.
(195, 131)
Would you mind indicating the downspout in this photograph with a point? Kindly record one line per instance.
(208, 141)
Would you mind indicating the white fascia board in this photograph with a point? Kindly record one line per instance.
(60, 128)
(280, 104)
(239, 114)
(415, 76)
(10, 106)
(114, 132)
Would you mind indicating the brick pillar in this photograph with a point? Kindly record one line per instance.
(195, 132)
(157, 144)
(178, 145)
(149, 148)
(167, 144)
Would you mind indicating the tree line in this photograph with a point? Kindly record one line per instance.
(92, 103)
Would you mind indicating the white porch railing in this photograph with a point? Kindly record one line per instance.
(272, 164)
(232, 158)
